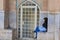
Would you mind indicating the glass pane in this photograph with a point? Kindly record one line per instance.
(28, 19)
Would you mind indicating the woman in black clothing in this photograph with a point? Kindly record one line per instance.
(45, 24)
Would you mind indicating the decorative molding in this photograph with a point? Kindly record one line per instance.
(52, 13)
(44, 11)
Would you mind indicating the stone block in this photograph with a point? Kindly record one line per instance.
(5, 34)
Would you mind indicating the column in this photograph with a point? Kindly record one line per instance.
(1, 15)
(57, 26)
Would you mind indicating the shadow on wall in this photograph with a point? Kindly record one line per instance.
(12, 19)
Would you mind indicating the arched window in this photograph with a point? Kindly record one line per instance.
(27, 19)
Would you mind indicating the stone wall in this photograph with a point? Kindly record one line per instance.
(54, 5)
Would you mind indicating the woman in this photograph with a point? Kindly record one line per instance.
(42, 28)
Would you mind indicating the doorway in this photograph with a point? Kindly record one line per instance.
(27, 19)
